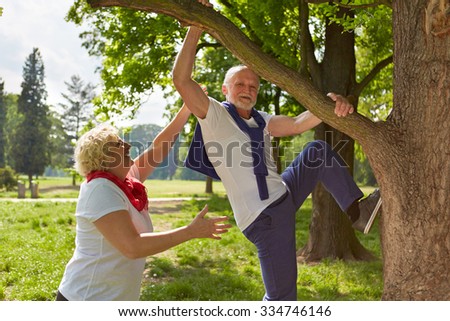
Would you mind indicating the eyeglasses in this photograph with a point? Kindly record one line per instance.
(117, 144)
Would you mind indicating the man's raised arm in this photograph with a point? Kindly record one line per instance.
(189, 90)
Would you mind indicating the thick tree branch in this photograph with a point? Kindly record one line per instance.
(300, 87)
(208, 45)
(387, 3)
(372, 74)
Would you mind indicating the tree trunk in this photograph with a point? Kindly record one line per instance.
(30, 180)
(330, 232)
(209, 185)
(413, 164)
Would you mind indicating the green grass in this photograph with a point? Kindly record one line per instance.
(37, 240)
(179, 188)
(204, 269)
(229, 269)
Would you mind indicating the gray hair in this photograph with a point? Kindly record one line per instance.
(232, 71)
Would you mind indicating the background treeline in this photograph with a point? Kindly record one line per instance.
(38, 139)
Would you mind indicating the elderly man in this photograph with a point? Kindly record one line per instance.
(235, 141)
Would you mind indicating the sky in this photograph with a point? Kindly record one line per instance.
(28, 24)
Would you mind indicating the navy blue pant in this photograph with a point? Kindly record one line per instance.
(273, 232)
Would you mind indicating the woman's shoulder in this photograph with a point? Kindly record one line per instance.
(98, 197)
(96, 185)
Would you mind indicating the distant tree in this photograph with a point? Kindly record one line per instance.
(2, 124)
(78, 108)
(60, 145)
(30, 146)
(77, 111)
(13, 119)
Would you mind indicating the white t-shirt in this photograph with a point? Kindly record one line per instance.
(97, 270)
(228, 149)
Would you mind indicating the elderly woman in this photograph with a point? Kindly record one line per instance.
(114, 233)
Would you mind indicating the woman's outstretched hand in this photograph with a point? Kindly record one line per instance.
(202, 227)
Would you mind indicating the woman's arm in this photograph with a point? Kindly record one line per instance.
(118, 229)
(158, 151)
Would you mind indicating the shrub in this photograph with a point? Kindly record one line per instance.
(8, 178)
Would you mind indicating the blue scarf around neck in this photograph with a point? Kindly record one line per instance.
(198, 160)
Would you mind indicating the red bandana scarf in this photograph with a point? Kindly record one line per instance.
(133, 188)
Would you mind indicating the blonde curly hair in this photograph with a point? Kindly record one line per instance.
(90, 154)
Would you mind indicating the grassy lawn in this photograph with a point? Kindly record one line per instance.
(179, 188)
(37, 240)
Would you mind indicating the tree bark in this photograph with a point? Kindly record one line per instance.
(408, 153)
(414, 169)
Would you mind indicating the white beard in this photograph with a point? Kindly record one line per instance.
(245, 105)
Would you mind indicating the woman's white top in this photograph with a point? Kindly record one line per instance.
(97, 270)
